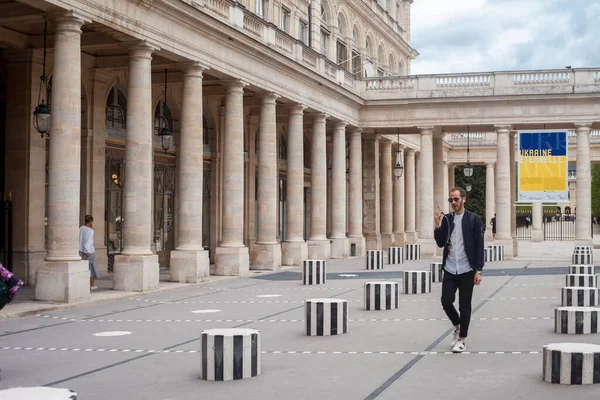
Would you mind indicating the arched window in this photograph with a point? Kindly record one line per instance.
(116, 109)
(323, 14)
(355, 40)
(325, 32)
(341, 28)
(368, 47)
(392, 63)
(282, 148)
(380, 61)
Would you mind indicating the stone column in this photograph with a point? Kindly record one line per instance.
(371, 206)
(583, 223)
(318, 244)
(137, 269)
(355, 220)
(399, 235)
(503, 191)
(340, 246)
(440, 192)
(232, 257)
(417, 190)
(537, 234)
(266, 253)
(387, 216)
(409, 197)
(294, 249)
(426, 197)
(513, 194)
(490, 201)
(447, 187)
(65, 278)
(451, 177)
(189, 261)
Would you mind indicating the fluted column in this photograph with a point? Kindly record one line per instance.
(537, 233)
(513, 193)
(66, 277)
(371, 217)
(417, 190)
(294, 249)
(451, 177)
(426, 198)
(387, 216)
(490, 201)
(503, 190)
(440, 192)
(318, 244)
(231, 257)
(355, 220)
(340, 246)
(447, 186)
(583, 234)
(409, 197)
(399, 235)
(189, 261)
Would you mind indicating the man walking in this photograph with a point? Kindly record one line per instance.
(86, 248)
(493, 224)
(460, 233)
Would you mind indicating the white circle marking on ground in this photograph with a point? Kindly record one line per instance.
(110, 334)
(205, 311)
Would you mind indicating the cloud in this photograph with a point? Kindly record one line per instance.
(499, 35)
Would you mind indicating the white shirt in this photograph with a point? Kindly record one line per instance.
(457, 261)
(86, 240)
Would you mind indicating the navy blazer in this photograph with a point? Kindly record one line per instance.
(473, 232)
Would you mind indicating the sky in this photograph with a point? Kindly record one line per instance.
(500, 35)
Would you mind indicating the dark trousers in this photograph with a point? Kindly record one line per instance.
(464, 283)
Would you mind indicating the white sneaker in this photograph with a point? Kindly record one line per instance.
(94, 287)
(459, 347)
(454, 338)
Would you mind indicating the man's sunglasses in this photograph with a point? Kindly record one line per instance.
(453, 199)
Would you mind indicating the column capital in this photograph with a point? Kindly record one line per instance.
(321, 117)
(193, 68)
(236, 86)
(296, 109)
(269, 98)
(490, 164)
(583, 125)
(503, 128)
(385, 142)
(141, 50)
(410, 150)
(354, 132)
(68, 20)
(341, 125)
(426, 130)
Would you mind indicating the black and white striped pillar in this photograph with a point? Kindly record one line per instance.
(314, 272)
(374, 259)
(382, 295)
(588, 249)
(580, 296)
(571, 363)
(581, 280)
(582, 269)
(497, 252)
(396, 255)
(582, 258)
(326, 317)
(230, 354)
(413, 252)
(416, 282)
(488, 255)
(437, 271)
(576, 320)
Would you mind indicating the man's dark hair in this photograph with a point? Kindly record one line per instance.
(88, 219)
(460, 190)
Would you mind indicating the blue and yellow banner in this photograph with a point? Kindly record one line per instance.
(542, 161)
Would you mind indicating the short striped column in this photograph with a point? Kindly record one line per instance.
(395, 255)
(571, 363)
(416, 282)
(437, 271)
(582, 269)
(582, 257)
(576, 320)
(374, 259)
(326, 317)
(580, 296)
(583, 248)
(382, 295)
(488, 255)
(497, 252)
(581, 280)
(39, 392)
(314, 272)
(230, 354)
(413, 252)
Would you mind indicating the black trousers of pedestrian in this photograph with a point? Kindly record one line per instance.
(464, 283)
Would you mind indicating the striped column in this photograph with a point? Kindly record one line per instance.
(374, 259)
(230, 354)
(580, 296)
(582, 269)
(582, 257)
(396, 255)
(584, 248)
(413, 252)
(498, 252)
(437, 271)
(576, 320)
(314, 272)
(382, 295)
(581, 280)
(416, 282)
(488, 255)
(571, 363)
(326, 317)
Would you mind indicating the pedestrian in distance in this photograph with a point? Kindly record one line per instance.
(493, 224)
(86, 248)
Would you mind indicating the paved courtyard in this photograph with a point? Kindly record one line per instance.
(147, 346)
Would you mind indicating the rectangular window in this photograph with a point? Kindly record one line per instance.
(324, 43)
(398, 15)
(260, 8)
(342, 55)
(356, 67)
(303, 32)
(284, 19)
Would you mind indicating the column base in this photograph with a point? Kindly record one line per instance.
(319, 249)
(64, 282)
(428, 247)
(189, 266)
(508, 247)
(515, 246)
(399, 239)
(537, 235)
(387, 240)
(232, 261)
(26, 265)
(265, 257)
(373, 241)
(293, 253)
(411, 238)
(360, 246)
(340, 248)
(136, 273)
